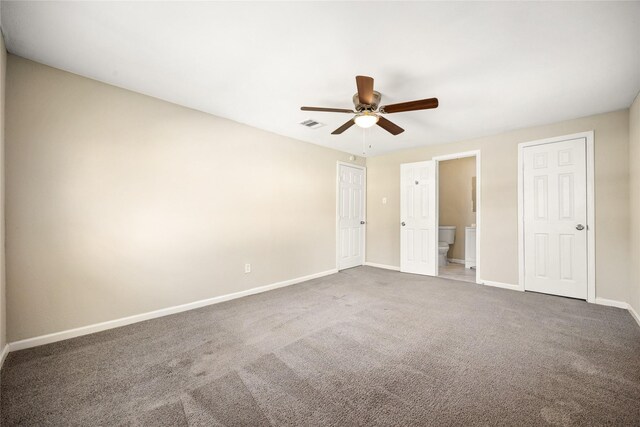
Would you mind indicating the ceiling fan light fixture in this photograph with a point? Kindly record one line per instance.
(366, 119)
(368, 109)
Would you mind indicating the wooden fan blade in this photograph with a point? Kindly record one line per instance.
(327, 110)
(422, 104)
(344, 127)
(365, 89)
(389, 126)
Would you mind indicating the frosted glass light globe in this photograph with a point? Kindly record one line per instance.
(366, 120)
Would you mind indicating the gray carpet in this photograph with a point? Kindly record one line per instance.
(361, 347)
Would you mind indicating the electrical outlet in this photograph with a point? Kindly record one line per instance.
(247, 268)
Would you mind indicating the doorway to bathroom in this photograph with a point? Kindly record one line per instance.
(457, 211)
(421, 237)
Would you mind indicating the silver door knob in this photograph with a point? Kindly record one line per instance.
(403, 224)
(579, 227)
(361, 222)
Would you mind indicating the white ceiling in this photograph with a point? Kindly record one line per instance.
(493, 66)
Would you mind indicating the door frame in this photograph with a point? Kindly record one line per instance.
(454, 156)
(364, 211)
(591, 223)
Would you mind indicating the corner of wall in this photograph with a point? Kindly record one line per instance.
(3, 310)
(634, 201)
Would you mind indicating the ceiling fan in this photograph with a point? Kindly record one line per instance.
(368, 111)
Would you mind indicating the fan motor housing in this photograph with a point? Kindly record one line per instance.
(372, 107)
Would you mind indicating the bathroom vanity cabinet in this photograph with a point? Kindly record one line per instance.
(469, 247)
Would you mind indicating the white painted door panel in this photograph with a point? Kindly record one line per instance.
(555, 207)
(418, 230)
(350, 217)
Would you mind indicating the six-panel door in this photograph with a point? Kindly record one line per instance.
(555, 218)
(350, 217)
(418, 231)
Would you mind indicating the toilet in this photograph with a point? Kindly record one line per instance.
(446, 237)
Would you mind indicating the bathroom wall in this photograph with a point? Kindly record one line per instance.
(499, 243)
(120, 204)
(456, 204)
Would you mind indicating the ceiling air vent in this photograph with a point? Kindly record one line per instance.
(312, 124)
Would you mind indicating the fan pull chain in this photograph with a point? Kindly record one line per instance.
(364, 141)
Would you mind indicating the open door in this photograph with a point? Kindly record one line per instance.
(418, 216)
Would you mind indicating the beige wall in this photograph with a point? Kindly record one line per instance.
(499, 244)
(119, 204)
(634, 162)
(455, 205)
(3, 306)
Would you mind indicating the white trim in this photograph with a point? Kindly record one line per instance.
(436, 165)
(386, 267)
(591, 218)
(478, 155)
(3, 355)
(456, 156)
(619, 304)
(456, 261)
(611, 303)
(634, 314)
(503, 285)
(97, 327)
(364, 211)
(591, 223)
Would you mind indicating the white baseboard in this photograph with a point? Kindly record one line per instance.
(612, 303)
(3, 355)
(503, 285)
(98, 327)
(634, 314)
(455, 261)
(386, 267)
(619, 304)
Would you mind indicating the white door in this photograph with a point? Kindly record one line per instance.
(350, 216)
(555, 218)
(418, 228)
